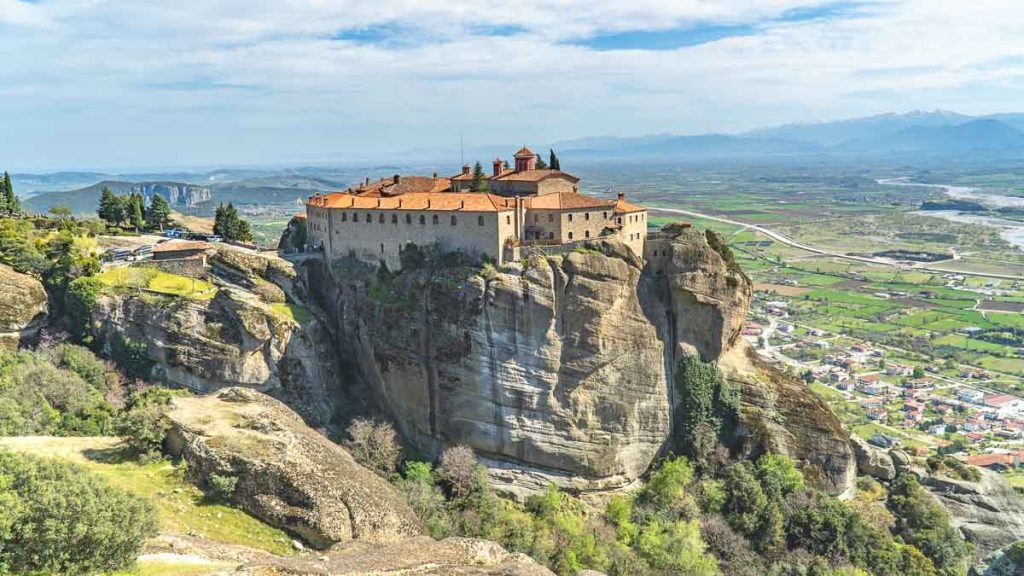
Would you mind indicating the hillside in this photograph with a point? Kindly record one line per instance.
(86, 200)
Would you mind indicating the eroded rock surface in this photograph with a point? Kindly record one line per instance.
(23, 307)
(988, 513)
(287, 474)
(234, 339)
(873, 461)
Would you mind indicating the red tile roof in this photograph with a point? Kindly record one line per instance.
(624, 207)
(991, 459)
(566, 201)
(535, 175)
(524, 151)
(437, 201)
(405, 185)
(998, 400)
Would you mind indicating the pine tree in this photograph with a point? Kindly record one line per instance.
(112, 208)
(3, 195)
(219, 227)
(9, 204)
(553, 160)
(135, 213)
(159, 213)
(541, 164)
(480, 183)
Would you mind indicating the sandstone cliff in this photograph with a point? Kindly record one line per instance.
(23, 307)
(560, 368)
(233, 339)
(988, 513)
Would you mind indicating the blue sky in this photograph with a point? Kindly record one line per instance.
(126, 86)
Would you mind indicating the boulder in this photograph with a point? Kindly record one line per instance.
(287, 474)
(988, 512)
(872, 461)
(23, 307)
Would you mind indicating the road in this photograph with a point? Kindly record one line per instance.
(790, 242)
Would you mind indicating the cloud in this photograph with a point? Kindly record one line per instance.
(168, 83)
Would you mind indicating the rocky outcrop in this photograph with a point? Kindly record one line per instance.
(872, 461)
(287, 474)
(23, 307)
(233, 339)
(423, 555)
(176, 194)
(560, 368)
(988, 512)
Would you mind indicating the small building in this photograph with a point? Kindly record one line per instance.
(181, 250)
(970, 395)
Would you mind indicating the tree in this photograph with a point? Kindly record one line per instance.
(159, 213)
(458, 469)
(707, 401)
(10, 203)
(135, 211)
(374, 444)
(922, 522)
(60, 211)
(541, 164)
(553, 160)
(228, 225)
(112, 207)
(59, 518)
(480, 183)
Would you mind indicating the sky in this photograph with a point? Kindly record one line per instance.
(113, 84)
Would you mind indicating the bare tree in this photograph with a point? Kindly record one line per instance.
(458, 465)
(374, 444)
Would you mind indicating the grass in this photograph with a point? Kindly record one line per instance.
(180, 505)
(157, 281)
(161, 567)
(294, 312)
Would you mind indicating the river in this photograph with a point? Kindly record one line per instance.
(1010, 230)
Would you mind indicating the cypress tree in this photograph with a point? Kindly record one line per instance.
(553, 160)
(159, 213)
(480, 183)
(135, 211)
(3, 195)
(111, 208)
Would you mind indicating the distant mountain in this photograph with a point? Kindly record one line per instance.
(667, 146)
(86, 200)
(833, 133)
(982, 135)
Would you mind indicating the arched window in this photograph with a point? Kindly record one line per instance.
(586, 216)
(381, 218)
(480, 220)
(344, 216)
(570, 235)
(453, 220)
(435, 219)
(369, 218)
(570, 217)
(508, 219)
(586, 234)
(423, 219)
(355, 216)
(394, 218)
(619, 221)
(604, 215)
(408, 218)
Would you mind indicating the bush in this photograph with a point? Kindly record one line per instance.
(60, 519)
(666, 488)
(374, 444)
(922, 523)
(458, 469)
(708, 404)
(676, 546)
(144, 424)
(79, 303)
(132, 356)
(221, 488)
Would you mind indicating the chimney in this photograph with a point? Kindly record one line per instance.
(428, 203)
(397, 178)
(435, 175)
(622, 195)
(497, 166)
(465, 168)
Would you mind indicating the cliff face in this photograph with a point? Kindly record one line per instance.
(234, 339)
(176, 194)
(23, 307)
(560, 368)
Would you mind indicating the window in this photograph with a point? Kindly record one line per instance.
(381, 218)
(586, 216)
(435, 219)
(382, 248)
(394, 218)
(619, 221)
(508, 219)
(586, 234)
(570, 217)
(408, 218)
(369, 218)
(355, 216)
(536, 218)
(479, 220)
(551, 217)
(453, 220)
(551, 235)
(604, 215)
(344, 216)
(423, 219)
(570, 235)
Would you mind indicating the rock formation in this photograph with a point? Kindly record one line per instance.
(233, 339)
(23, 307)
(988, 513)
(872, 461)
(560, 368)
(287, 474)
(176, 194)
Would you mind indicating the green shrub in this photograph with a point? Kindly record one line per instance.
(921, 522)
(220, 488)
(144, 425)
(60, 519)
(677, 547)
(132, 356)
(79, 302)
(708, 404)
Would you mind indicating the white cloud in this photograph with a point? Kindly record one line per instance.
(215, 81)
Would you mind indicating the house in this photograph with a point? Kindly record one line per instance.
(970, 395)
(937, 429)
(871, 403)
(1001, 401)
(996, 462)
(181, 250)
(878, 415)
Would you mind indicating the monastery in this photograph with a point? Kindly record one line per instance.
(523, 206)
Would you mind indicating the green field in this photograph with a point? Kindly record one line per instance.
(158, 281)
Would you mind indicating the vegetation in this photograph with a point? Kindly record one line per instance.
(374, 444)
(59, 519)
(921, 522)
(708, 405)
(480, 182)
(158, 215)
(230, 226)
(10, 205)
(553, 162)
